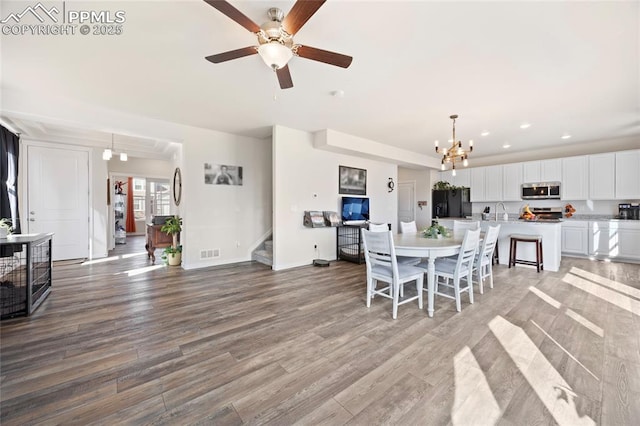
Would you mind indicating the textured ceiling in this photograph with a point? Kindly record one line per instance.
(563, 67)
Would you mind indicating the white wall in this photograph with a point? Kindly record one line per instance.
(306, 178)
(98, 238)
(233, 219)
(422, 179)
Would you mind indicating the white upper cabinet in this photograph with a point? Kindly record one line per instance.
(477, 175)
(575, 178)
(531, 172)
(551, 170)
(493, 183)
(512, 182)
(462, 177)
(602, 173)
(542, 171)
(628, 175)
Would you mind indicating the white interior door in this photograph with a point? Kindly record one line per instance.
(58, 188)
(406, 202)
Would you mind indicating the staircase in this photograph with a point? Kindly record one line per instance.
(264, 253)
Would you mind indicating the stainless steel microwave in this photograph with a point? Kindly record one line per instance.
(541, 191)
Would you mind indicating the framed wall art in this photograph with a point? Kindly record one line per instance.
(352, 181)
(222, 174)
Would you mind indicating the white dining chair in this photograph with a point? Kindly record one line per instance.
(378, 227)
(382, 265)
(482, 263)
(403, 260)
(462, 268)
(408, 227)
(463, 225)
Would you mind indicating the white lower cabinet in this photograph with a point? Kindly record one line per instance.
(614, 239)
(575, 238)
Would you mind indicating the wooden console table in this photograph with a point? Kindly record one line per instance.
(156, 239)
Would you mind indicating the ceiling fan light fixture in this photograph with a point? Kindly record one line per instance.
(274, 54)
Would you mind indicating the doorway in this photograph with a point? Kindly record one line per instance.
(151, 197)
(58, 198)
(406, 202)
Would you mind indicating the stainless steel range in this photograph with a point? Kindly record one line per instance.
(548, 214)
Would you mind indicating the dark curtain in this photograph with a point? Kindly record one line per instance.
(9, 153)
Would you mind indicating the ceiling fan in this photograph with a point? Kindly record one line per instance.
(275, 39)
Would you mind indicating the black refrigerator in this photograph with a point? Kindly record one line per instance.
(451, 203)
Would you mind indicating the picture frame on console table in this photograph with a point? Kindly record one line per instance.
(352, 181)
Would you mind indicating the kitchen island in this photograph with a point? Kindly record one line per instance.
(551, 232)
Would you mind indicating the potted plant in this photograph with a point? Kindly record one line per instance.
(441, 185)
(436, 231)
(6, 227)
(173, 254)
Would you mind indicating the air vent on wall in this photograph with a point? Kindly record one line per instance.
(209, 253)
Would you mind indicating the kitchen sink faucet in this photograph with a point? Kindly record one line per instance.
(505, 216)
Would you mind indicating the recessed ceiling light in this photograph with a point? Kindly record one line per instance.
(485, 133)
(566, 136)
(338, 93)
(506, 145)
(525, 125)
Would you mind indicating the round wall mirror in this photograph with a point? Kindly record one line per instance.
(177, 186)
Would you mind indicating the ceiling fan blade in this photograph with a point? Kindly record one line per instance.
(325, 56)
(233, 13)
(232, 54)
(299, 14)
(284, 77)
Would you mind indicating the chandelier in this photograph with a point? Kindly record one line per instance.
(455, 152)
(108, 153)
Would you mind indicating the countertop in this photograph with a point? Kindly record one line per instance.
(23, 238)
(580, 218)
(511, 220)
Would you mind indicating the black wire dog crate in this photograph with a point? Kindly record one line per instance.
(349, 243)
(25, 273)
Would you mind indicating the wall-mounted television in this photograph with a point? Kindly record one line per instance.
(355, 208)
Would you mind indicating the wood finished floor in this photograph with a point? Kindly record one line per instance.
(117, 344)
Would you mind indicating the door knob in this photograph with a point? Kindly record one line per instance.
(32, 219)
(32, 212)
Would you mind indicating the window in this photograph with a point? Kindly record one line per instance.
(159, 198)
(139, 184)
(138, 207)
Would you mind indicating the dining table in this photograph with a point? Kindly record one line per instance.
(417, 245)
